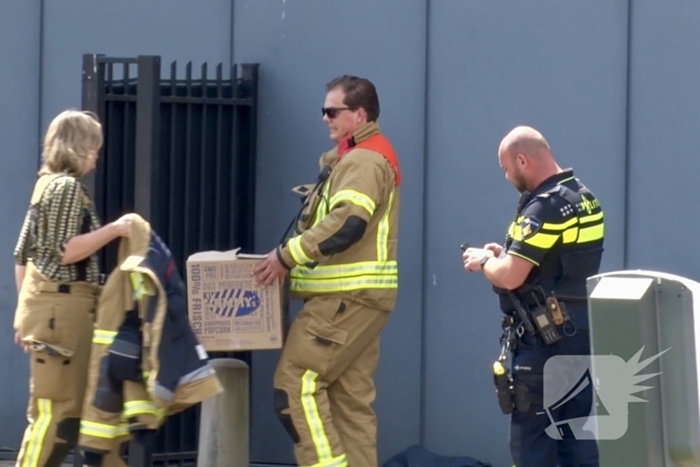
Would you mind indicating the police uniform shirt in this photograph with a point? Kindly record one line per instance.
(549, 225)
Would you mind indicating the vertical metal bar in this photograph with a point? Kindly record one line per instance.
(235, 196)
(127, 165)
(188, 164)
(93, 101)
(140, 454)
(110, 78)
(182, 442)
(175, 187)
(110, 185)
(114, 155)
(249, 78)
(205, 214)
(146, 171)
(147, 135)
(220, 201)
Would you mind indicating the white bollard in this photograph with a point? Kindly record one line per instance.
(224, 419)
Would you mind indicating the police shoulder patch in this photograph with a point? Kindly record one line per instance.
(529, 227)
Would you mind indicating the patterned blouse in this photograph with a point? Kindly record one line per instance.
(65, 210)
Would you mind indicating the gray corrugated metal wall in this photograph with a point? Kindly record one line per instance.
(19, 128)
(494, 66)
(453, 77)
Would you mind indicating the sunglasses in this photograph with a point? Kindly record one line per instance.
(333, 112)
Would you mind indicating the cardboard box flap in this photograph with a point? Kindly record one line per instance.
(228, 255)
(250, 256)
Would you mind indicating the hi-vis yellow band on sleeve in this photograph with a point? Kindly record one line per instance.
(138, 284)
(100, 336)
(355, 197)
(297, 251)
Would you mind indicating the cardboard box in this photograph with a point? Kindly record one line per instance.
(227, 311)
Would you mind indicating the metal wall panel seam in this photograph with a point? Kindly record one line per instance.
(40, 100)
(231, 36)
(628, 114)
(424, 255)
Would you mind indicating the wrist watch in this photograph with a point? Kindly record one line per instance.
(483, 260)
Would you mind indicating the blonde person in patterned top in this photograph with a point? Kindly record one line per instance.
(58, 285)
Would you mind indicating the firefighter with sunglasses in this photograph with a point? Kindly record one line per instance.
(342, 262)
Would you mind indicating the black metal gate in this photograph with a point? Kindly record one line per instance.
(179, 151)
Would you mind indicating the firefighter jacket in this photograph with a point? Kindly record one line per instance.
(346, 235)
(145, 362)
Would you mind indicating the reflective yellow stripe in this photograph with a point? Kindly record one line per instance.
(383, 232)
(138, 284)
(133, 408)
(539, 240)
(340, 461)
(38, 434)
(573, 232)
(337, 271)
(102, 430)
(322, 205)
(345, 285)
(570, 235)
(590, 234)
(592, 218)
(542, 240)
(100, 336)
(345, 277)
(355, 197)
(313, 418)
(562, 226)
(297, 251)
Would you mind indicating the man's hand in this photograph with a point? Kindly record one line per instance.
(270, 269)
(473, 256)
(495, 248)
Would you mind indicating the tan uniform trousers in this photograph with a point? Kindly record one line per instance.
(56, 321)
(324, 383)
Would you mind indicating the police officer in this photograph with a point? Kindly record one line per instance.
(553, 245)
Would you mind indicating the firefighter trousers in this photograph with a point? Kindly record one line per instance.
(324, 383)
(56, 321)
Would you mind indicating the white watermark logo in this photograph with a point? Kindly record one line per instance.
(616, 382)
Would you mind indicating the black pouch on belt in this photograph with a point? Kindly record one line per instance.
(502, 380)
(125, 351)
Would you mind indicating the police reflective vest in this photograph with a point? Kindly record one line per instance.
(145, 362)
(346, 242)
(569, 237)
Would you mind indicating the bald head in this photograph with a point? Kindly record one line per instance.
(527, 141)
(526, 158)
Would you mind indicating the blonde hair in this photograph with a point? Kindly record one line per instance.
(70, 138)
